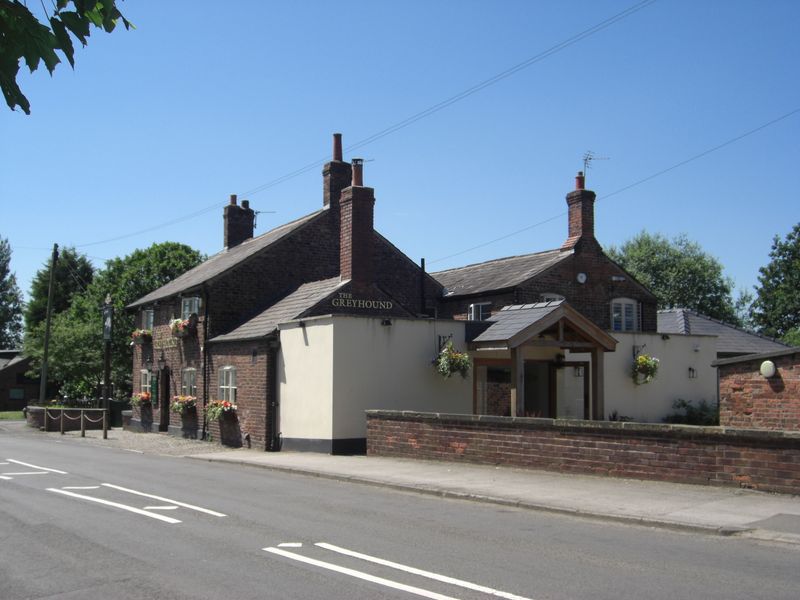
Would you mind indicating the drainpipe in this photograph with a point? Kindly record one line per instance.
(205, 360)
(273, 435)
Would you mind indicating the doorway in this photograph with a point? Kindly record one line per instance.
(163, 395)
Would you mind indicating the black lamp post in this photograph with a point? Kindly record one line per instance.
(108, 318)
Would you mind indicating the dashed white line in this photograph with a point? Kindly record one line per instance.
(132, 450)
(6, 478)
(162, 499)
(81, 487)
(290, 545)
(420, 572)
(27, 473)
(161, 508)
(19, 462)
(360, 575)
(132, 509)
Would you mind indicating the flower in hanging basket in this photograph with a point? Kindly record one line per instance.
(645, 368)
(142, 336)
(451, 361)
(182, 404)
(181, 327)
(218, 408)
(141, 399)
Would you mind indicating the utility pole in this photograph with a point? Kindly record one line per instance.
(43, 382)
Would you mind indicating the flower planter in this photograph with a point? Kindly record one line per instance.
(190, 423)
(229, 432)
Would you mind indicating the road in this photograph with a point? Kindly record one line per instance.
(84, 522)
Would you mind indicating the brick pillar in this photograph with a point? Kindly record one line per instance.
(356, 235)
(336, 175)
(581, 215)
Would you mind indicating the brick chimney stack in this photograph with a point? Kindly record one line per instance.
(238, 222)
(356, 235)
(581, 215)
(336, 175)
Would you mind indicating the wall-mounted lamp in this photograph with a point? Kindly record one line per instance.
(559, 362)
(162, 362)
(386, 322)
(665, 336)
(579, 371)
(149, 363)
(692, 373)
(768, 369)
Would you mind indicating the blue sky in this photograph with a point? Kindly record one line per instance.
(205, 99)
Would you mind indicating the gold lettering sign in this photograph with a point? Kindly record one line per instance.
(165, 343)
(345, 300)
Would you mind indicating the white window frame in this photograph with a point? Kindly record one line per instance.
(148, 317)
(625, 315)
(479, 311)
(227, 384)
(190, 306)
(551, 297)
(189, 382)
(145, 380)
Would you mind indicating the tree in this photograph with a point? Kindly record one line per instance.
(76, 342)
(679, 273)
(10, 300)
(72, 275)
(776, 310)
(22, 36)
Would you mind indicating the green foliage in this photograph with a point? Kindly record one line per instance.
(792, 337)
(11, 415)
(73, 273)
(217, 408)
(76, 343)
(10, 300)
(679, 273)
(23, 37)
(688, 414)
(776, 310)
(451, 361)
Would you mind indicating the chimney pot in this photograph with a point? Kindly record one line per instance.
(233, 199)
(245, 203)
(358, 172)
(580, 181)
(337, 146)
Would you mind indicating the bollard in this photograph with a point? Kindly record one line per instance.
(105, 423)
(83, 425)
(45, 419)
(62, 421)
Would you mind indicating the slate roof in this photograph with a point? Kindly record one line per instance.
(511, 320)
(7, 363)
(222, 261)
(730, 339)
(497, 274)
(286, 309)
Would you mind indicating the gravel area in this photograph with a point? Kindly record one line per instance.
(148, 443)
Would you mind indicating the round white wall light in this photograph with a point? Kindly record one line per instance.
(767, 368)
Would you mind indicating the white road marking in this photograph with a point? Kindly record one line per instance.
(19, 462)
(6, 478)
(4, 463)
(161, 508)
(360, 575)
(290, 545)
(81, 487)
(162, 499)
(131, 450)
(132, 509)
(28, 473)
(421, 573)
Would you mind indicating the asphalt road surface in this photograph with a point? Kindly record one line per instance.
(88, 522)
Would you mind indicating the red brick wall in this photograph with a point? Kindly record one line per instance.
(746, 399)
(763, 460)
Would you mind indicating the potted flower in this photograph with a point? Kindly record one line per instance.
(141, 399)
(183, 404)
(217, 409)
(181, 328)
(645, 368)
(451, 361)
(142, 336)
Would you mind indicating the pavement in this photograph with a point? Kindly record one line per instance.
(708, 509)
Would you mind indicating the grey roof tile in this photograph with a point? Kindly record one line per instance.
(286, 309)
(222, 261)
(510, 320)
(730, 339)
(497, 274)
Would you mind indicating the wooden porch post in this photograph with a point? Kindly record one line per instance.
(598, 400)
(517, 382)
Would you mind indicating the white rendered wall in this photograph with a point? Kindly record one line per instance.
(651, 402)
(389, 367)
(305, 380)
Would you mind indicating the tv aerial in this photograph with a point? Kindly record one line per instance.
(588, 158)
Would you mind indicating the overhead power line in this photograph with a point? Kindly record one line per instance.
(627, 187)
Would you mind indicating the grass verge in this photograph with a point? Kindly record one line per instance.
(11, 415)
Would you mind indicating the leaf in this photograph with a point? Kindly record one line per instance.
(76, 24)
(64, 41)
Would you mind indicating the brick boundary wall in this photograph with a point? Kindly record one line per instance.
(756, 459)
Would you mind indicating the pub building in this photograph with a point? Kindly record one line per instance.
(310, 324)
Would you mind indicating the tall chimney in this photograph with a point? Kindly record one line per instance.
(336, 175)
(581, 215)
(238, 222)
(356, 234)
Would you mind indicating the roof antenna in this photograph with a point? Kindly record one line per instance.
(590, 156)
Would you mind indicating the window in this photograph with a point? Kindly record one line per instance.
(145, 378)
(189, 382)
(227, 384)
(147, 318)
(480, 311)
(624, 315)
(550, 297)
(190, 306)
